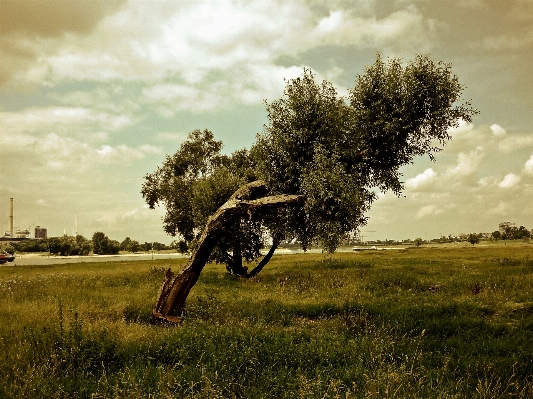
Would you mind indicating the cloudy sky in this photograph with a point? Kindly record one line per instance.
(93, 94)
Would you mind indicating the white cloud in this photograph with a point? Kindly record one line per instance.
(400, 30)
(62, 119)
(501, 209)
(466, 135)
(422, 180)
(512, 143)
(507, 42)
(55, 152)
(428, 210)
(152, 41)
(332, 22)
(528, 166)
(172, 136)
(124, 220)
(498, 131)
(510, 180)
(467, 164)
(183, 98)
(100, 136)
(488, 181)
(170, 92)
(204, 43)
(149, 149)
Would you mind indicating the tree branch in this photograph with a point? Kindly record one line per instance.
(171, 302)
(266, 258)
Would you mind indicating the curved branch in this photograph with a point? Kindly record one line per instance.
(265, 259)
(171, 302)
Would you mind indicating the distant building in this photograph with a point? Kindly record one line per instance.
(24, 233)
(40, 232)
(504, 225)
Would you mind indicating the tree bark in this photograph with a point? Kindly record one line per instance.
(170, 305)
(265, 259)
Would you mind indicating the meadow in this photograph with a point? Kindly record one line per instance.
(447, 322)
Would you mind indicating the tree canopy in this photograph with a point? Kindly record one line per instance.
(192, 184)
(337, 152)
(328, 155)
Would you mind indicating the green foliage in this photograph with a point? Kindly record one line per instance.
(7, 248)
(193, 183)
(473, 239)
(68, 245)
(40, 245)
(126, 245)
(400, 112)
(182, 247)
(173, 184)
(102, 245)
(337, 153)
(399, 323)
(514, 233)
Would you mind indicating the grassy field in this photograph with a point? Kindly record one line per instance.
(420, 323)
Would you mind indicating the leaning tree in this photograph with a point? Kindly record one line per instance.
(313, 172)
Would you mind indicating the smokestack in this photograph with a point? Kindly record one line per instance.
(11, 216)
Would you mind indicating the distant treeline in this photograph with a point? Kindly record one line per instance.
(512, 233)
(100, 244)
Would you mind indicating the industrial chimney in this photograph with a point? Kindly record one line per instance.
(11, 216)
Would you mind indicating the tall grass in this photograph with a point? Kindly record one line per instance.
(426, 322)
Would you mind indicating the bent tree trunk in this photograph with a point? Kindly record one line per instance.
(247, 200)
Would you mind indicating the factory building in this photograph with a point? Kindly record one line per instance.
(504, 225)
(13, 234)
(41, 233)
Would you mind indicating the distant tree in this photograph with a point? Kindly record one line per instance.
(53, 245)
(157, 246)
(99, 243)
(473, 239)
(65, 245)
(514, 233)
(418, 242)
(81, 246)
(134, 246)
(69, 245)
(113, 247)
(146, 247)
(126, 244)
(102, 245)
(521, 233)
(319, 163)
(183, 248)
(496, 235)
(7, 248)
(30, 245)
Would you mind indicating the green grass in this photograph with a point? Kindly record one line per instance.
(421, 323)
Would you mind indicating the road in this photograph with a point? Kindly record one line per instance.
(41, 259)
(36, 259)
